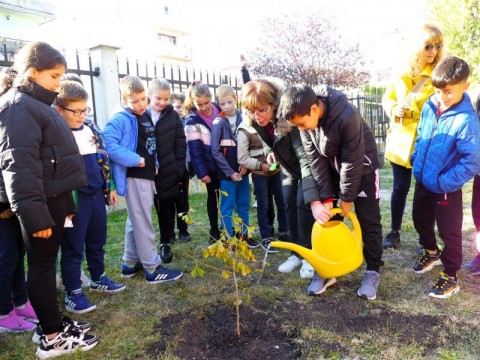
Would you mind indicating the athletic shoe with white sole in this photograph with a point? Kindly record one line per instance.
(66, 342)
(290, 264)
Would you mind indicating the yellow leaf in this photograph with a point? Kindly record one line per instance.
(246, 270)
(225, 274)
(237, 219)
(224, 193)
(238, 302)
(200, 272)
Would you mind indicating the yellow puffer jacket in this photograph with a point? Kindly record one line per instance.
(395, 96)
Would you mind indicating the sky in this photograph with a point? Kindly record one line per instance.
(221, 30)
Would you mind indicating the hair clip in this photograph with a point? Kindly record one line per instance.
(196, 82)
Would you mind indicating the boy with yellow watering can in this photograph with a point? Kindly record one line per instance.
(342, 153)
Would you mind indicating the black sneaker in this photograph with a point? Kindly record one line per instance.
(82, 327)
(184, 236)
(266, 246)
(166, 253)
(444, 287)
(284, 236)
(67, 341)
(392, 240)
(427, 261)
(252, 243)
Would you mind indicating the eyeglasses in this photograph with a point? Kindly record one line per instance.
(260, 112)
(430, 47)
(78, 113)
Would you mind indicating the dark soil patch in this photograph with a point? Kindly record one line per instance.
(274, 331)
(210, 333)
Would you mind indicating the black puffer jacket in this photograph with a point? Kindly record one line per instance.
(39, 157)
(342, 149)
(171, 153)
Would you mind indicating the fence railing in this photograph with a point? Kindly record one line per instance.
(180, 77)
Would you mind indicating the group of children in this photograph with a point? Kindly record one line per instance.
(327, 156)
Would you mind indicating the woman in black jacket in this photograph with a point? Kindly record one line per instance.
(171, 153)
(41, 165)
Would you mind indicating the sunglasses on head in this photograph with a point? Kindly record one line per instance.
(430, 47)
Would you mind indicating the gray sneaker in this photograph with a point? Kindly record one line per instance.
(319, 284)
(369, 286)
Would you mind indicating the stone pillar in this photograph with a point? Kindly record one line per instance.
(105, 86)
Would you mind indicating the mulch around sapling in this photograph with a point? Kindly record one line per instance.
(274, 331)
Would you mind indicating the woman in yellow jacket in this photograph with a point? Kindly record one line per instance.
(404, 107)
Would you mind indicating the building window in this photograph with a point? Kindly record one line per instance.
(167, 39)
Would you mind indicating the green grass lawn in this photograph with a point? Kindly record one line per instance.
(127, 322)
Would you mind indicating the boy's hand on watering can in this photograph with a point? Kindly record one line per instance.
(346, 207)
(321, 212)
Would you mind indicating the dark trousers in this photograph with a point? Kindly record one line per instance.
(402, 178)
(41, 259)
(446, 211)
(212, 206)
(87, 236)
(164, 213)
(13, 288)
(476, 202)
(367, 209)
(299, 216)
(262, 186)
(180, 205)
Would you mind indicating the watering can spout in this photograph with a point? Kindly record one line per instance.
(336, 250)
(311, 256)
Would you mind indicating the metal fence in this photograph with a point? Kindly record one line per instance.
(180, 77)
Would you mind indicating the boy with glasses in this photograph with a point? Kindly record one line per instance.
(88, 231)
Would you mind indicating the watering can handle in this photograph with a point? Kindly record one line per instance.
(353, 218)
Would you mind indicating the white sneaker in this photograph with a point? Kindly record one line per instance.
(306, 271)
(290, 264)
(85, 280)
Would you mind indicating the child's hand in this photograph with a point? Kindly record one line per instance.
(6, 214)
(346, 207)
(236, 177)
(141, 162)
(45, 234)
(113, 197)
(206, 179)
(321, 212)
(265, 167)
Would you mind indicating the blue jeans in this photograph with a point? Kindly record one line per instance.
(87, 236)
(261, 185)
(13, 288)
(239, 198)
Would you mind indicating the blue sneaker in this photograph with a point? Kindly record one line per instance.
(77, 303)
(162, 274)
(128, 272)
(473, 267)
(105, 284)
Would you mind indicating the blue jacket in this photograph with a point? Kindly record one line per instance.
(447, 149)
(199, 140)
(121, 137)
(224, 146)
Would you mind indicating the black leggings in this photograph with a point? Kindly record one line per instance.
(41, 258)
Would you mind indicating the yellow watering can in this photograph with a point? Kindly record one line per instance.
(336, 249)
